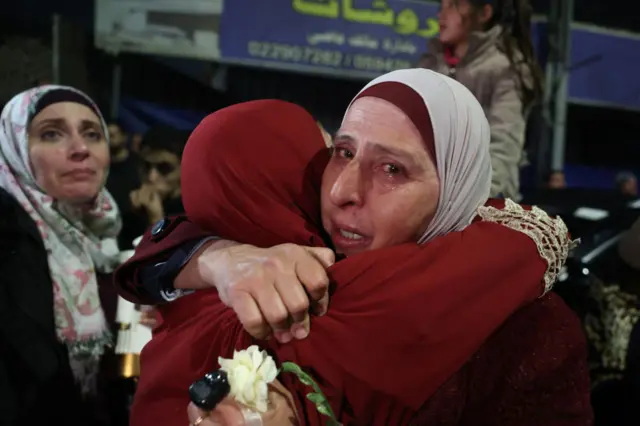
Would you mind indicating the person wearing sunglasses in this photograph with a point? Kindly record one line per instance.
(159, 193)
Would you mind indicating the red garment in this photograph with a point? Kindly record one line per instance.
(533, 371)
(450, 58)
(402, 320)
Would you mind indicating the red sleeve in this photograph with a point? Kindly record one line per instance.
(402, 320)
(151, 250)
(533, 371)
(405, 333)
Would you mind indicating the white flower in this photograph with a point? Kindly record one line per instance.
(249, 373)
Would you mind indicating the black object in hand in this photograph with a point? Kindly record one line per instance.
(208, 391)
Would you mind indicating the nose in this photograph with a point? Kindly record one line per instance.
(347, 189)
(79, 150)
(153, 175)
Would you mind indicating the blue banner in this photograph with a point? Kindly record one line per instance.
(605, 68)
(138, 116)
(365, 37)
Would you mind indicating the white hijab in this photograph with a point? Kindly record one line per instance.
(462, 135)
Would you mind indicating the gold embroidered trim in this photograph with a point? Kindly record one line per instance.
(550, 235)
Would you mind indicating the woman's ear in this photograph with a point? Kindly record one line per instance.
(486, 14)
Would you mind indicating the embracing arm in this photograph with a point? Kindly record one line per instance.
(435, 308)
(431, 306)
(266, 287)
(161, 262)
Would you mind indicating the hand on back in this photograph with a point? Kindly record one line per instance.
(272, 290)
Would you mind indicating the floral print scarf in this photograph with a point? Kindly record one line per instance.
(78, 243)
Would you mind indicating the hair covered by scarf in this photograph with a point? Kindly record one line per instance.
(456, 133)
(78, 243)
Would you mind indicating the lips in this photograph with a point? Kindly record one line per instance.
(348, 240)
(80, 174)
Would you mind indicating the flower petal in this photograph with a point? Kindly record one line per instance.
(268, 370)
(261, 406)
(225, 364)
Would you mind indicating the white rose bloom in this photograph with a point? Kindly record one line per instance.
(249, 373)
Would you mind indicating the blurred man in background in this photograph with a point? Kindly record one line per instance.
(556, 180)
(627, 184)
(123, 178)
(159, 194)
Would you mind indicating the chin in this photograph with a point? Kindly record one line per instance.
(445, 40)
(82, 199)
(79, 195)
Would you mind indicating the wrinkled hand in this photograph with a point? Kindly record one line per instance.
(271, 290)
(228, 413)
(146, 198)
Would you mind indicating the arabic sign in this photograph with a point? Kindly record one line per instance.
(355, 37)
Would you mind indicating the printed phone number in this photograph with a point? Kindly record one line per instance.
(322, 57)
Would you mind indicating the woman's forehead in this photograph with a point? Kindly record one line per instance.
(66, 111)
(378, 122)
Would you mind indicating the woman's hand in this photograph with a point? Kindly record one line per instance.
(228, 413)
(271, 290)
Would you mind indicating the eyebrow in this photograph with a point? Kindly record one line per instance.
(48, 121)
(61, 122)
(383, 149)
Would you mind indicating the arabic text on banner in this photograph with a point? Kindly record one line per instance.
(367, 36)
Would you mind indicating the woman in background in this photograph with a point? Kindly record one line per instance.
(486, 45)
(57, 225)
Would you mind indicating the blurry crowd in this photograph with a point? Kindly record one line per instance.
(625, 183)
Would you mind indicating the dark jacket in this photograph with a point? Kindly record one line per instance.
(36, 382)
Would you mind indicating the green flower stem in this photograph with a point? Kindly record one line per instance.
(317, 397)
